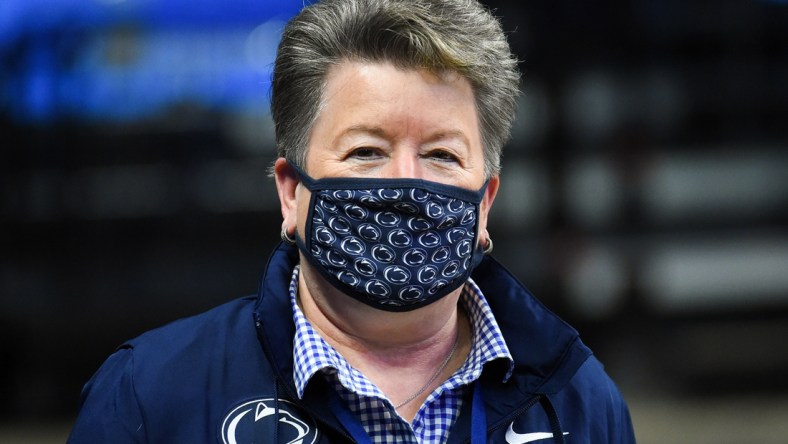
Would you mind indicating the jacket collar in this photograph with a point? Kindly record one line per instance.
(547, 352)
(273, 315)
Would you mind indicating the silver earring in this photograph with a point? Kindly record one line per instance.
(489, 248)
(286, 238)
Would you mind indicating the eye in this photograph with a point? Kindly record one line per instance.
(365, 152)
(443, 155)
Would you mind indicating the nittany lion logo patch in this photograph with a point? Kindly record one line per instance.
(256, 421)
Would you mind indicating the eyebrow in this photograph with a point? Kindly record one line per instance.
(451, 134)
(380, 132)
(374, 130)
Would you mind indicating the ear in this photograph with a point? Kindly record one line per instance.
(484, 207)
(286, 184)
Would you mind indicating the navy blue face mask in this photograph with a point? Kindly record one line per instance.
(393, 244)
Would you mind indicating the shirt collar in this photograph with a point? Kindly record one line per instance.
(311, 353)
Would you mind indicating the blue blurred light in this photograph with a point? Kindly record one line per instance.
(21, 17)
(126, 60)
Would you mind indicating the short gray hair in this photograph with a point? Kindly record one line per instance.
(439, 35)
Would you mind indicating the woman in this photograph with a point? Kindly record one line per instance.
(379, 318)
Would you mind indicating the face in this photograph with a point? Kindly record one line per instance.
(384, 122)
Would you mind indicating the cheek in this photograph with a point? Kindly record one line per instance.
(482, 221)
(302, 207)
(484, 211)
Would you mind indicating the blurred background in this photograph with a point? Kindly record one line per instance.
(644, 196)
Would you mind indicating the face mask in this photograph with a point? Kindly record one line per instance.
(393, 244)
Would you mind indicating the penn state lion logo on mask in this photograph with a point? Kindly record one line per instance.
(256, 421)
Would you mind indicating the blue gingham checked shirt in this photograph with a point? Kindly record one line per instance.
(311, 354)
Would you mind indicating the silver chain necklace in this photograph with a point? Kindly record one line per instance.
(435, 375)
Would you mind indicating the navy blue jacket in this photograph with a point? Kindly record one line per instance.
(227, 376)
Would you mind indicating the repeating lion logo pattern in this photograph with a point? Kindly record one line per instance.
(398, 245)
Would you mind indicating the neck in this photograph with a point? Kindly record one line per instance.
(399, 352)
(349, 324)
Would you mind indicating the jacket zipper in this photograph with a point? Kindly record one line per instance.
(292, 395)
(531, 402)
(295, 400)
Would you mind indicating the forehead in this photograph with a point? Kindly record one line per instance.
(379, 70)
(380, 94)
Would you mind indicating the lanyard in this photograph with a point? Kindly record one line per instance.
(356, 430)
